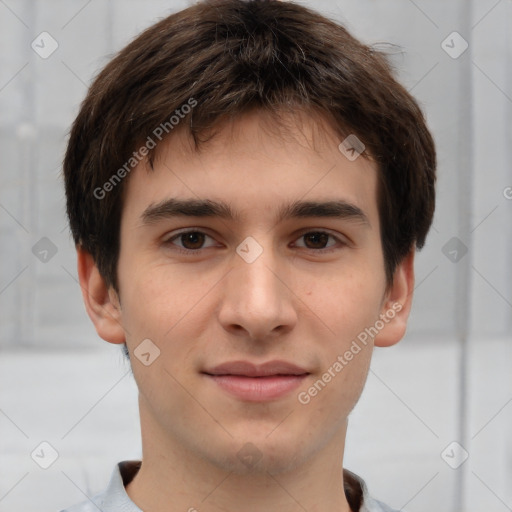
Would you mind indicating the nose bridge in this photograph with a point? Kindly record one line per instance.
(255, 298)
(260, 287)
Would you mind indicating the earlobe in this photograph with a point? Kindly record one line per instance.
(101, 303)
(397, 304)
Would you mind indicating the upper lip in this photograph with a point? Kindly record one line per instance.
(247, 369)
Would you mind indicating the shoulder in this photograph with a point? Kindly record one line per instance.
(359, 496)
(91, 505)
(373, 505)
(114, 497)
(105, 502)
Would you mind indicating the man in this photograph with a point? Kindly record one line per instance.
(246, 186)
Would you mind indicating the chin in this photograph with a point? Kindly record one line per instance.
(259, 455)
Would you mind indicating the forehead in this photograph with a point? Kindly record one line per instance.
(264, 131)
(257, 165)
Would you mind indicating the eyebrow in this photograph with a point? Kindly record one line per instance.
(172, 207)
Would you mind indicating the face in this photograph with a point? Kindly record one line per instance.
(277, 281)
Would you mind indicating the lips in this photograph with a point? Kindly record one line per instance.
(257, 383)
(247, 369)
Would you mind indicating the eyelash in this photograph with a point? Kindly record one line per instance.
(197, 251)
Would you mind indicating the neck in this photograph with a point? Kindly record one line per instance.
(175, 478)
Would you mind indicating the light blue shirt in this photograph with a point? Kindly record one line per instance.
(115, 499)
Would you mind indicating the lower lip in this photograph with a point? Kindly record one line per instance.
(258, 389)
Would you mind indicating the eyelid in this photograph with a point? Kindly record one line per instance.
(341, 240)
(184, 231)
(335, 234)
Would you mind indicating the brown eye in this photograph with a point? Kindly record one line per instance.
(192, 240)
(188, 241)
(318, 240)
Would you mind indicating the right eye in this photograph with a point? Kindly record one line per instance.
(192, 241)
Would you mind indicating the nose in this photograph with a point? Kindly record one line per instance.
(258, 301)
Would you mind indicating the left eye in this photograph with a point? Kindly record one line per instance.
(318, 238)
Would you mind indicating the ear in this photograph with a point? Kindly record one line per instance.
(102, 304)
(397, 303)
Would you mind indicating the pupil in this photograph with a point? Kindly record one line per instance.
(323, 238)
(193, 238)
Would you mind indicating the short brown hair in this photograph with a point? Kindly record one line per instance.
(230, 56)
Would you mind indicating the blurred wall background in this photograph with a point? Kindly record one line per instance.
(447, 382)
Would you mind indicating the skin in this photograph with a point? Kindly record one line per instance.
(294, 302)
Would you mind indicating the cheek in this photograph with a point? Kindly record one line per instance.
(347, 305)
(158, 298)
(345, 302)
(166, 307)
